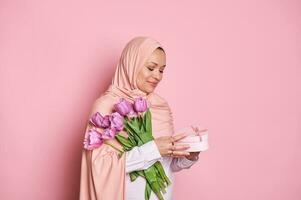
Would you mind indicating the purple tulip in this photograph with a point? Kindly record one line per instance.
(140, 104)
(93, 139)
(99, 121)
(109, 133)
(116, 121)
(123, 107)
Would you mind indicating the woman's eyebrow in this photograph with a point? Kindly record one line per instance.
(157, 64)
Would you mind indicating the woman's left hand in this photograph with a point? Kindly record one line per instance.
(193, 156)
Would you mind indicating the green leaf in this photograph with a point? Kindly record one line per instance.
(134, 134)
(148, 191)
(144, 121)
(148, 122)
(161, 183)
(129, 130)
(137, 138)
(161, 171)
(134, 126)
(150, 176)
(124, 141)
(141, 124)
(132, 139)
(145, 137)
(134, 122)
(133, 175)
(141, 173)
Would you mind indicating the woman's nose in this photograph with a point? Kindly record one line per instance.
(156, 75)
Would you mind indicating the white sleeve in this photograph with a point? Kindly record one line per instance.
(178, 164)
(140, 158)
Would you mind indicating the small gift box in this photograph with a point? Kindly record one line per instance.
(197, 138)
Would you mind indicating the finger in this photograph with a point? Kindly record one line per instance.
(163, 137)
(178, 156)
(169, 153)
(181, 153)
(180, 147)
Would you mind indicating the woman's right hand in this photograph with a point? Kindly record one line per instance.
(167, 147)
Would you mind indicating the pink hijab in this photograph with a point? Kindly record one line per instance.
(103, 169)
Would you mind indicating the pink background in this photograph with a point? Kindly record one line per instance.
(232, 66)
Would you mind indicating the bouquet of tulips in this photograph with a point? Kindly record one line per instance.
(135, 119)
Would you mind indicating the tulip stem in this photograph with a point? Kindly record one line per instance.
(120, 151)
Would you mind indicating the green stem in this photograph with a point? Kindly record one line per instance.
(116, 148)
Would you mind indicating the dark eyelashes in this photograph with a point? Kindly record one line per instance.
(151, 69)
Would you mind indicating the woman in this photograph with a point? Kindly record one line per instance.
(104, 172)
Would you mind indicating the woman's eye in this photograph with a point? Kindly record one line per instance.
(150, 69)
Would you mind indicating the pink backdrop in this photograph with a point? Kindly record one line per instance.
(232, 66)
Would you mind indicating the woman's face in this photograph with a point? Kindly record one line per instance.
(152, 72)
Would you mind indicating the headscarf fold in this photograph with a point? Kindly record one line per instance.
(103, 169)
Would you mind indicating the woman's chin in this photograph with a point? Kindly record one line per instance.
(149, 90)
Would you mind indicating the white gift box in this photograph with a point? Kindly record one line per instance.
(197, 139)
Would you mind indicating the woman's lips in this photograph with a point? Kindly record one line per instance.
(154, 84)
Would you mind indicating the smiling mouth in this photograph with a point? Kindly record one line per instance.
(153, 84)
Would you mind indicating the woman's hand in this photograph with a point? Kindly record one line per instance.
(193, 156)
(167, 147)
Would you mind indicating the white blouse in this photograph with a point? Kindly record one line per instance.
(142, 157)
